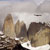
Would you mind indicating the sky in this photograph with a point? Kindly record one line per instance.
(24, 7)
(36, 1)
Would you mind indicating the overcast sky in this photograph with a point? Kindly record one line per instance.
(6, 7)
(36, 1)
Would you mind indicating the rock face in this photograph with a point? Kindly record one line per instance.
(9, 44)
(38, 34)
(33, 28)
(21, 31)
(8, 27)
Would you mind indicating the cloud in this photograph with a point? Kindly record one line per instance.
(44, 7)
(15, 7)
(38, 2)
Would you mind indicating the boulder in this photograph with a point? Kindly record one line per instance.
(8, 27)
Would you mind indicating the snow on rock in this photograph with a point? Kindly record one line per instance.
(1, 33)
(16, 38)
(28, 46)
(3, 36)
(44, 47)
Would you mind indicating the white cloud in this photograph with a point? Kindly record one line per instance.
(38, 2)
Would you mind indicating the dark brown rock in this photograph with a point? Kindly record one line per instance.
(34, 28)
(38, 34)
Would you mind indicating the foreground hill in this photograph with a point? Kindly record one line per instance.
(39, 34)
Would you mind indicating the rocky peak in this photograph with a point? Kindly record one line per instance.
(20, 29)
(8, 27)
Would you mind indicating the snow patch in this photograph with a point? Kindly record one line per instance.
(1, 33)
(16, 38)
(3, 36)
(44, 47)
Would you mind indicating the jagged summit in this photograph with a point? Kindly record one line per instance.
(9, 17)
